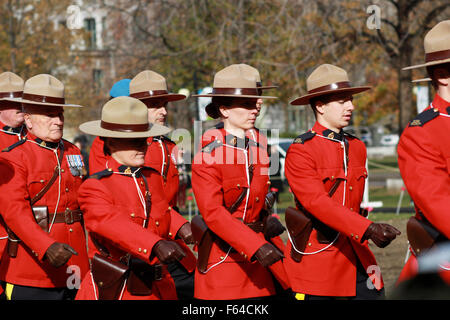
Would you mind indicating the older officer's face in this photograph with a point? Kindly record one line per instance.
(129, 152)
(45, 122)
(336, 112)
(10, 115)
(241, 114)
(157, 112)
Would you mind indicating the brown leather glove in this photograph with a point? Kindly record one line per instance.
(268, 254)
(185, 233)
(381, 234)
(59, 253)
(272, 227)
(168, 251)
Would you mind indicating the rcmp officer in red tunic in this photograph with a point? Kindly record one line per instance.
(126, 212)
(230, 182)
(336, 260)
(46, 251)
(11, 121)
(424, 155)
(151, 88)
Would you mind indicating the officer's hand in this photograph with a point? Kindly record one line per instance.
(268, 255)
(168, 251)
(273, 227)
(381, 234)
(59, 253)
(185, 233)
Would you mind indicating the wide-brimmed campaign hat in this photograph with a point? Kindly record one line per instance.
(151, 85)
(11, 86)
(46, 90)
(437, 46)
(237, 81)
(326, 79)
(124, 117)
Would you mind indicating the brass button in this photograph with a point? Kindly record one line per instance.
(309, 243)
(100, 284)
(351, 209)
(157, 223)
(351, 234)
(332, 177)
(62, 170)
(140, 250)
(268, 182)
(132, 215)
(170, 208)
(238, 185)
(70, 230)
(67, 189)
(356, 237)
(145, 250)
(350, 188)
(170, 234)
(41, 181)
(222, 257)
(257, 199)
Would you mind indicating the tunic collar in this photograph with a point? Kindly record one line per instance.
(442, 105)
(321, 130)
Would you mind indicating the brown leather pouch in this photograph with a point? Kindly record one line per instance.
(299, 227)
(421, 235)
(203, 239)
(41, 215)
(109, 276)
(141, 277)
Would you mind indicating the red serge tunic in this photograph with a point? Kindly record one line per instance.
(8, 136)
(25, 171)
(160, 156)
(424, 162)
(219, 174)
(313, 163)
(114, 215)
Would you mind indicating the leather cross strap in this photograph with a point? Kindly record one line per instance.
(41, 193)
(241, 197)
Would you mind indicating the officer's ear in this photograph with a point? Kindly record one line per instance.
(27, 121)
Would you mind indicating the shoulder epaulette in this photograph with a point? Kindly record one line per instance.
(304, 137)
(101, 174)
(18, 143)
(211, 146)
(424, 117)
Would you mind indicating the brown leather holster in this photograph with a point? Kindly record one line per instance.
(299, 227)
(109, 275)
(421, 234)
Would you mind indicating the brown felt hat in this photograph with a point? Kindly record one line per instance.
(148, 84)
(235, 81)
(124, 117)
(326, 79)
(437, 46)
(44, 89)
(11, 86)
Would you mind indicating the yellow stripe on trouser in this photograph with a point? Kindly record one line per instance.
(9, 290)
(300, 296)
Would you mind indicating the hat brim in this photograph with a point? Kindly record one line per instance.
(421, 80)
(10, 99)
(170, 97)
(304, 100)
(94, 128)
(428, 64)
(234, 96)
(69, 105)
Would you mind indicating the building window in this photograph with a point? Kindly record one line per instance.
(89, 26)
